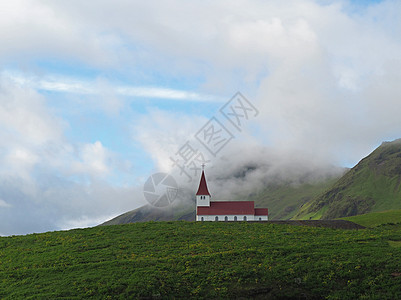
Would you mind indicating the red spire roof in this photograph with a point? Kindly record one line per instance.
(202, 190)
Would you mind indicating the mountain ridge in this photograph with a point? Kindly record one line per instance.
(373, 185)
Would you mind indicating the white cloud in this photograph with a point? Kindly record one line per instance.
(94, 159)
(34, 28)
(27, 128)
(24, 116)
(164, 93)
(162, 134)
(4, 203)
(101, 87)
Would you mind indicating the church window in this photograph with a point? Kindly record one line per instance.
(226, 218)
(235, 218)
(217, 218)
(244, 218)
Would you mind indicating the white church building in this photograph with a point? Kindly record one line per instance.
(207, 210)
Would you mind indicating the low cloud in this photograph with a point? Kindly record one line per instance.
(243, 167)
(57, 203)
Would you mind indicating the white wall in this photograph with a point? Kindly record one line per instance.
(203, 202)
(230, 217)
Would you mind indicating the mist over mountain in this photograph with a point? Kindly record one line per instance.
(247, 173)
(292, 188)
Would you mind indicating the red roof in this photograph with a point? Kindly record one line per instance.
(227, 208)
(261, 212)
(202, 190)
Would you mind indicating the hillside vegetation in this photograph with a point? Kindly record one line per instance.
(284, 200)
(154, 260)
(377, 218)
(373, 185)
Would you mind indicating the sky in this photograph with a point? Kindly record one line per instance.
(96, 96)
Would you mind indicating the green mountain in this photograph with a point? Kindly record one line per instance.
(373, 185)
(283, 201)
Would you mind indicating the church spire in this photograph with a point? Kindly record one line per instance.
(202, 190)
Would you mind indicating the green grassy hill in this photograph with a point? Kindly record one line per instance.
(373, 185)
(376, 218)
(154, 260)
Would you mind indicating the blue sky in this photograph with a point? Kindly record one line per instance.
(97, 95)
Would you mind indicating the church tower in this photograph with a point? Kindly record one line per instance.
(203, 195)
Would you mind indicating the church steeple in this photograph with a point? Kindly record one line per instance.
(202, 190)
(203, 195)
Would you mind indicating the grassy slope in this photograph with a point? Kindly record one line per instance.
(284, 201)
(376, 218)
(209, 260)
(373, 185)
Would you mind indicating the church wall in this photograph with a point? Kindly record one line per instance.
(203, 200)
(229, 217)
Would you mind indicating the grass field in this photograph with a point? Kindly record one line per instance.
(203, 260)
(376, 218)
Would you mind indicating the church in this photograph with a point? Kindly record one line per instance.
(207, 210)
